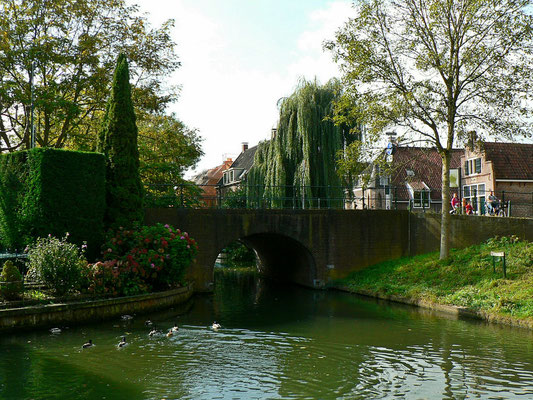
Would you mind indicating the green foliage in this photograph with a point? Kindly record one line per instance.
(238, 255)
(138, 261)
(49, 191)
(408, 63)
(436, 71)
(73, 44)
(11, 282)
(56, 263)
(303, 152)
(235, 198)
(13, 188)
(111, 278)
(166, 149)
(466, 278)
(182, 194)
(118, 142)
(353, 161)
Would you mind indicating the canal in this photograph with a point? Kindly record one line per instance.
(275, 342)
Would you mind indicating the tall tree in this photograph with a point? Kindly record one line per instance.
(438, 69)
(167, 148)
(297, 166)
(118, 141)
(68, 47)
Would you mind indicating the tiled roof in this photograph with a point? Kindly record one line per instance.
(208, 180)
(426, 166)
(510, 160)
(245, 160)
(210, 176)
(243, 163)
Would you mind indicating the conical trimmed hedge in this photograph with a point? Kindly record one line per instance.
(118, 142)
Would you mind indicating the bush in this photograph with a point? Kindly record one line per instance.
(49, 191)
(11, 285)
(112, 278)
(153, 257)
(13, 187)
(238, 255)
(56, 263)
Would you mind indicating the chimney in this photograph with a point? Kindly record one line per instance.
(228, 162)
(274, 132)
(244, 146)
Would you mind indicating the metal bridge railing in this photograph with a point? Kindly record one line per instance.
(514, 203)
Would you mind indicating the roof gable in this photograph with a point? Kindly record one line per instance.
(421, 164)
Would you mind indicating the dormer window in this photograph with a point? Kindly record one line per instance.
(230, 176)
(410, 172)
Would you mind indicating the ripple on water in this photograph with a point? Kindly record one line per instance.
(339, 347)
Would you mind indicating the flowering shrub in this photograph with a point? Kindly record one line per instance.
(154, 257)
(112, 278)
(56, 263)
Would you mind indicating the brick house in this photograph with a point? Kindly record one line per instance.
(504, 168)
(208, 181)
(233, 176)
(413, 179)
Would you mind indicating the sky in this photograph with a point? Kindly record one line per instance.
(239, 57)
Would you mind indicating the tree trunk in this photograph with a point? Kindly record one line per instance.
(445, 219)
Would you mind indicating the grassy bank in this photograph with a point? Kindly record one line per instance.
(465, 279)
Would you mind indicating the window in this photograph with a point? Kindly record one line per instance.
(473, 166)
(475, 194)
(421, 199)
(477, 167)
(229, 177)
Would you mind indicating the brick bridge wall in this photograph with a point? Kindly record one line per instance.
(310, 247)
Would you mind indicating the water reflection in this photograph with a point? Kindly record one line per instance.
(275, 342)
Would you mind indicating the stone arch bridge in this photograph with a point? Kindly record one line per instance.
(308, 247)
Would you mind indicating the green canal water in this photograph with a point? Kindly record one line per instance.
(275, 342)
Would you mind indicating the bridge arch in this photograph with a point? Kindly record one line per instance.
(280, 257)
(329, 243)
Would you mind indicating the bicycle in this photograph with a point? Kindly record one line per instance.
(496, 211)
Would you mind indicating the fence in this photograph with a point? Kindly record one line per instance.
(421, 199)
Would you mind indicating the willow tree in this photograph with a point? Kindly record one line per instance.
(118, 142)
(439, 69)
(297, 166)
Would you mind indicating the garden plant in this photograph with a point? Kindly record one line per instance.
(141, 260)
(11, 282)
(56, 263)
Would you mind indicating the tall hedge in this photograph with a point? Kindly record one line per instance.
(51, 191)
(13, 188)
(118, 142)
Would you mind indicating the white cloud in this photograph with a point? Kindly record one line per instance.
(313, 60)
(226, 99)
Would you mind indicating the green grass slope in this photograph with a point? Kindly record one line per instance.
(465, 279)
